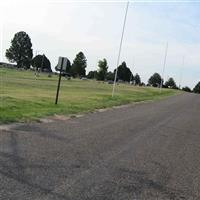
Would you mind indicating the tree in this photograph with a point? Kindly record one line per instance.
(92, 75)
(170, 83)
(197, 88)
(124, 73)
(79, 65)
(110, 76)
(102, 71)
(186, 89)
(155, 80)
(137, 79)
(42, 63)
(20, 50)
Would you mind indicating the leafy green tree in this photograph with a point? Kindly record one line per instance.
(124, 73)
(155, 80)
(137, 79)
(79, 65)
(41, 63)
(186, 89)
(20, 50)
(197, 88)
(92, 75)
(170, 83)
(102, 71)
(110, 76)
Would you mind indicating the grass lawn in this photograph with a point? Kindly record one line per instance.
(24, 97)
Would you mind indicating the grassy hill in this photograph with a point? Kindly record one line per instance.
(24, 97)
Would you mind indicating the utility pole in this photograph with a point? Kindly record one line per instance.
(164, 65)
(131, 77)
(36, 52)
(181, 72)
(120, 46)
(42, 63)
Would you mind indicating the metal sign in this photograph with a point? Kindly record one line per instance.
(62, 63)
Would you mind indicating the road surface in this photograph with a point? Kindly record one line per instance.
(144, 151)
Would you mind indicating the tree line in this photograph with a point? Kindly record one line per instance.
(21, 52)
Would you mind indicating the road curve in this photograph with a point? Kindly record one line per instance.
(144, 151)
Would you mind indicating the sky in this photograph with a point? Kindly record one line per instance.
(63, 28)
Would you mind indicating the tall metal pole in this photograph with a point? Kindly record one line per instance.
(42, 63)
(120, 46)
(36, 52)
(164, 65)
(131, 77)
(181, 72)
(132, 73)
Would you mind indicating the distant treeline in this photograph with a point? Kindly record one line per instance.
(21, 53)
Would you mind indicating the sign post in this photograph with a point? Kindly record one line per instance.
(62, 64)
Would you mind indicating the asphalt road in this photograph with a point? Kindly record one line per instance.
(144, 151)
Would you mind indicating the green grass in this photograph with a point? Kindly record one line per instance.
(24, 97)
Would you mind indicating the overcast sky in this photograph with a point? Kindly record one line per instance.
(63, 28)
